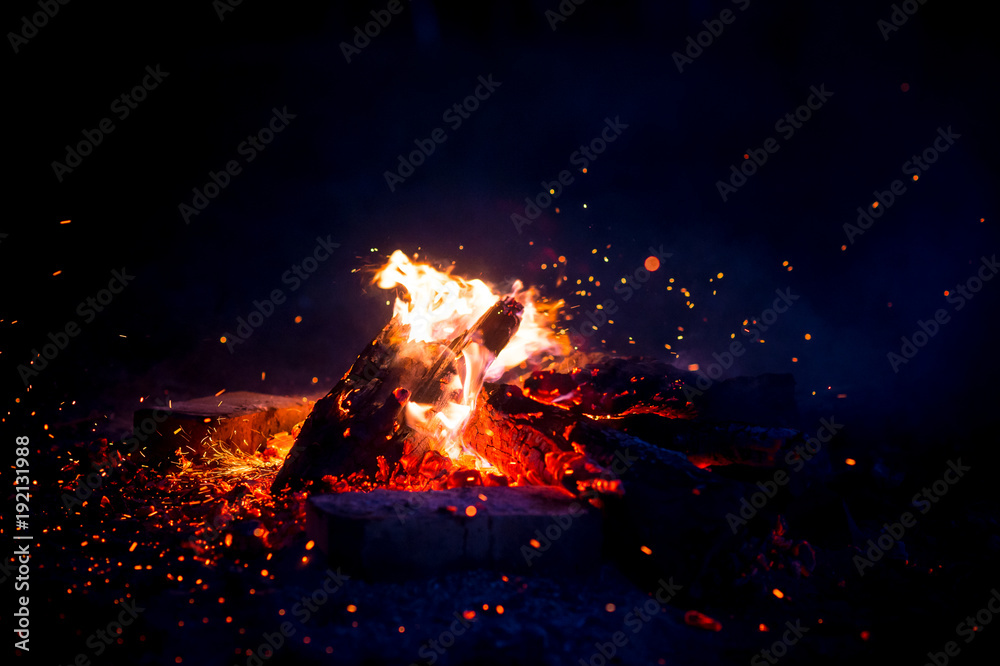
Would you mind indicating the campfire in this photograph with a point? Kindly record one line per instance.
(425, 406)
(466, 386)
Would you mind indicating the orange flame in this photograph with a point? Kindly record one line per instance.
(435, 308)
(438, 305)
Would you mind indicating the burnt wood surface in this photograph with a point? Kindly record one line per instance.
(360, 420)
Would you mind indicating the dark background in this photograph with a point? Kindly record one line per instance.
(655, 186)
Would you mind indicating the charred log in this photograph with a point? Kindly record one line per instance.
(615, 387)
(626, 386)
(527, 442)
(366, 398)
(359, 426)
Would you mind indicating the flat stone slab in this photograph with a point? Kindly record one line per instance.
(394, 535)
(240, 420)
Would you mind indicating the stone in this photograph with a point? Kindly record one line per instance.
(395, 535)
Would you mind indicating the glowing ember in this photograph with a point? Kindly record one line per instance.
(695, 619)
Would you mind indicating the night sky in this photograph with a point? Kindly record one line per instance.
(881, 94)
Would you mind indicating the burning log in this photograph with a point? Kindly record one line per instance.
(488, 338)
(366, 423)
(532, 443)
(366, 398)
(615, 387)
(361, 420)
(647, 400)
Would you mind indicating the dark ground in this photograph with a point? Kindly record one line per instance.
(656, 185)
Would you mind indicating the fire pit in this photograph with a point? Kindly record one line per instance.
(470, 434)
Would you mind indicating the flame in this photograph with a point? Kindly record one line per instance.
(435, 308)
(438, 305)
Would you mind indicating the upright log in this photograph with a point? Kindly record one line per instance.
(360, 420)
(366, 398)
